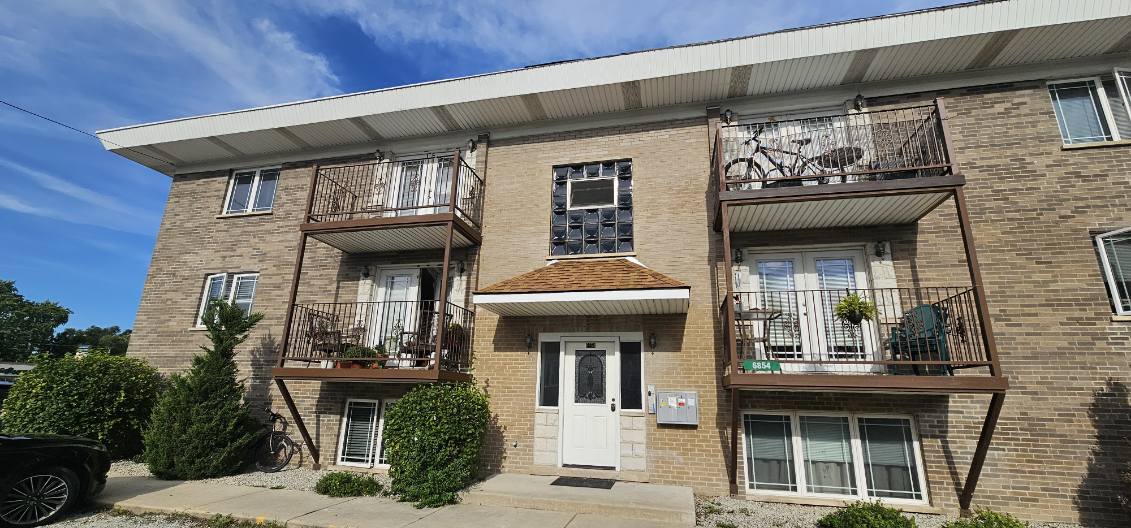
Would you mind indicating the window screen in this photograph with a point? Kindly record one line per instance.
(548, 371)
(591, 209)
(1079, 111)
(357, 437)
(889, 461)
(1115, 256)
(769, 453)
(631, 393)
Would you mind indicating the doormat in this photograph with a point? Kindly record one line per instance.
(582, 482)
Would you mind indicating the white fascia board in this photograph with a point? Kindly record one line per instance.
(822, 40)
(583, 296)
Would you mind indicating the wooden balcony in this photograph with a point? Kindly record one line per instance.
(401, 341)
(399, 205)
(930, 339)
(867, 168)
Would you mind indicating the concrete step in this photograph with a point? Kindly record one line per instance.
(653, 503)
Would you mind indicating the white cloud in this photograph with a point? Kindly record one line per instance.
(87, 196)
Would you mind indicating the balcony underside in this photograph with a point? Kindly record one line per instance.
(397, 233)
(369, 375)
(837, 205)
(866, 383)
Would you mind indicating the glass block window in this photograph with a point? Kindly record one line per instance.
(591, 209)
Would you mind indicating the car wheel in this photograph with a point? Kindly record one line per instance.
(39, 497)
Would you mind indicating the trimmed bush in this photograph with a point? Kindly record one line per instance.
(107, 398)
(344, 484)
(432, 440)
(988, 519)
(866, 515)
(201, 427)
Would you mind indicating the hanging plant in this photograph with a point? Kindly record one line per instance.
(855, 309)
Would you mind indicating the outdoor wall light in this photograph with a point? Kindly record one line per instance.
(652, 341)
(738, 256)
(529, 342)
(858, 102)
(379, 155)
(471, 144)
(881, 248)
(728, 116)
(461, 266)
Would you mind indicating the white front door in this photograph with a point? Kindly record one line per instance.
(805, 288)
(394, 314)
(591, 380)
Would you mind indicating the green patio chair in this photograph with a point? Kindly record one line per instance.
(921, 336)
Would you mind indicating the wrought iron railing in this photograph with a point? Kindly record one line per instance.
(866, 146)
(405, 187)
(379, 335)
(898, 331)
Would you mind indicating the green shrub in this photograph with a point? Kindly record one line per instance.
(107, 398)
(866, 515)
(988, 519)
(201, 427)
(432, 440)
(343, 484)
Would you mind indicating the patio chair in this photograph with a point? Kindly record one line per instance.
(921, 336)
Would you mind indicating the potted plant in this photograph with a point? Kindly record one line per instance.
(855, 309)
(357, 355)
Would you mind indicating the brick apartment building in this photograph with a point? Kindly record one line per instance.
(649, 260)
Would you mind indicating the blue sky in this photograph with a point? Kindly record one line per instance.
(78, 223)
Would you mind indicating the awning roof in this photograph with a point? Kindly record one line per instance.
(586, 287)
(967, 37)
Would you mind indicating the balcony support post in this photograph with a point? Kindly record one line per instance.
(445, 272)
(976, 280)
(980, 451)
(944, 122)
(731, 342)
(310, 445)
(296, 274)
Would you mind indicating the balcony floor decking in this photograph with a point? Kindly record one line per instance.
(877, 383)
(393, 233)
(368, 375)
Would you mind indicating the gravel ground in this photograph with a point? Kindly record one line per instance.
(106, 519)
(290, 478)
(721, 512)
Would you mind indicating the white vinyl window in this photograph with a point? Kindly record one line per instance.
(252, 191)
(361, 441)
(236, 288)
(1093, 109)
(822, 455)
(1115, 255)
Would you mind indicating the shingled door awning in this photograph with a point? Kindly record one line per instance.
(617, 286)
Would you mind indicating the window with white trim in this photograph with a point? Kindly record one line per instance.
(823, 455)
(1093, 109)
(252, 191)
(361, 442)
(236, 288)
(1115, 256)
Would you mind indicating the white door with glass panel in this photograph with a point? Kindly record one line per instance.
(394, 315)
(802, 290)
(589, 421)
(419, 186)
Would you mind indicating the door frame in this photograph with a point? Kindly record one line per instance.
(562, 338)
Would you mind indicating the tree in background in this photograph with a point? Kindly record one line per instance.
(201, 426)
(26, 326)
(111, 340)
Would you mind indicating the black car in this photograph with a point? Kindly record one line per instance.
(43, 476)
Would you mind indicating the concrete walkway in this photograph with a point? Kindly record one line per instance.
(308, 509)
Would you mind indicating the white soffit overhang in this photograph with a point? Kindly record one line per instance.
(963, 38)
(608, 302)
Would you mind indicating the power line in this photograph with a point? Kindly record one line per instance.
(83, 132)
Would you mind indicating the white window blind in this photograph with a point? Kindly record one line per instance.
(358, 425)
(243, 291)
(1115, 255)
(213, 289)
(828, 455)
(769, 452)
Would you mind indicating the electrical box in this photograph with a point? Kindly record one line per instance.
(677, 407)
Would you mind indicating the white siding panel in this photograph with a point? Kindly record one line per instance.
(564, 308)
(925, 58)
(582, 102)
(680, 89)
(823, 214)
(398, 239)
(330, 133)
(195, 150)
(490, 112)
(1062, 41)
(262, 142)
(408, 123)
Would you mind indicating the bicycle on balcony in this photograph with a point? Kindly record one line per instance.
(783, 166)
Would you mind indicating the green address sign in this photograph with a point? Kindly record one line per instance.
(751, 365)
